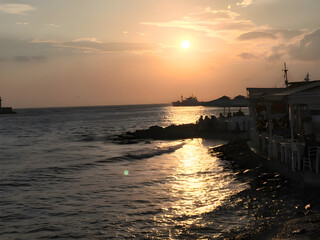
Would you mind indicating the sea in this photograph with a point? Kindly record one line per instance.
(62, 176)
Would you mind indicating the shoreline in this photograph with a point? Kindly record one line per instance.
(301, 218)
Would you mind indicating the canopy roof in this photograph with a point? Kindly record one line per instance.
(311, 90)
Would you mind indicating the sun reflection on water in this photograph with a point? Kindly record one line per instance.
(190, 114)
(199, 185)
(182, 115)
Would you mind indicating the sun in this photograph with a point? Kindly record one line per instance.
(185, 44)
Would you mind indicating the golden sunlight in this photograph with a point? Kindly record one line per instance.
(185, 44)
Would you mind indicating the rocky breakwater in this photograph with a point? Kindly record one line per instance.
(210, 129)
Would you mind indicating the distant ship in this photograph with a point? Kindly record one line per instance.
(190, 101)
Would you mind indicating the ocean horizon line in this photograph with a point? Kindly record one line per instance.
(91, 106)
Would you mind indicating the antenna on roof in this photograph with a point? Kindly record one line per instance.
(285, 74)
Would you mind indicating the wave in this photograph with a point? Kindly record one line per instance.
(58, 174)
(143, 154)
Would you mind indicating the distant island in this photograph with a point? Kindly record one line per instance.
(225, 101)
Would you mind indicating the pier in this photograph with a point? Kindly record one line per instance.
(5, 110)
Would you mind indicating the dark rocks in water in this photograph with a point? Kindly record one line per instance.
(183, 131)
(282, 208)
(307, 227)
(170, 132)
(299, 231)
(6, 110)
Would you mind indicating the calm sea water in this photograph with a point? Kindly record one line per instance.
(62, 177)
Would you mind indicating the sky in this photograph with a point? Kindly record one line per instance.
(56, 53)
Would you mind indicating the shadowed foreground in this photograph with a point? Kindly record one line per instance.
(289, 209)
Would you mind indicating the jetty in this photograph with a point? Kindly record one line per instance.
(5, 110)
(227, 128)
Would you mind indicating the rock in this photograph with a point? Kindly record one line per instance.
(299, 231)
(182, 131)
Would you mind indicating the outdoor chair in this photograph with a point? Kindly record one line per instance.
(310, 159)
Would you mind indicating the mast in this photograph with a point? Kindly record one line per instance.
(285, 70)
(307, 78)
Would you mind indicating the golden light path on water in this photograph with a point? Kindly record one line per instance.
(199, 185)
(183, 115)
(184, 188)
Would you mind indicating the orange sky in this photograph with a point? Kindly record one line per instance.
(106, 52)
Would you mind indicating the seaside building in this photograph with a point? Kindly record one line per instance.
(285, 123)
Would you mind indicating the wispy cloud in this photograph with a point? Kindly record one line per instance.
(92, 45)
(211, 22)
(24, 50)
(286, 34)
(16, 8)
(87, 40)
(50, 25)
(245, 3)
(29, 58)
(246, 55)
(242, 35)
(255, 35)
(308, 48)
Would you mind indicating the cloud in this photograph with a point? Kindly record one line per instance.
(245, 3)
(211, 22)
(246, 55)
(92, 45)
(286, 34)
(276, 53)
(15, 8)
(275, 57)
(25, 50)
(211, 14)
(255, 35)
(29, 58)
(87, 40)
(22, 23)
(308, 48)
(50, 25)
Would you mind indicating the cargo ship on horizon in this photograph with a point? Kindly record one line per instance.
(190, 101)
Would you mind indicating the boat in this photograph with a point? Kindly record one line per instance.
(190, 101)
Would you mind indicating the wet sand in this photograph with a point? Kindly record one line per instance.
(283, 208)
